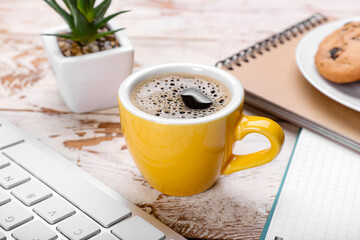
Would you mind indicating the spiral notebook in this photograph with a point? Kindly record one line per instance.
(319, 197)
(272, 82)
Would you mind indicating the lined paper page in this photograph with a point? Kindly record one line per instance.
(320, 198)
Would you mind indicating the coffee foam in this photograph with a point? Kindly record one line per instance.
(161, 95)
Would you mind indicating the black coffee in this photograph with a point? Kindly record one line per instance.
(161, 95)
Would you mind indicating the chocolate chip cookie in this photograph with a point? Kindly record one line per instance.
(338, 56)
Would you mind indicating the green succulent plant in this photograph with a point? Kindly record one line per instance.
(84, 19)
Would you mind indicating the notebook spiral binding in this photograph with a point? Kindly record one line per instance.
(271, 42)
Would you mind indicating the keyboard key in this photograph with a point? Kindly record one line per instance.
(12, 176)
(85, 195)
(2, 236)
(34, 230)
(8, 137)
(54, 209)
(13, 215)
(136, 228)
(4, 161)
(104, 236)
(4, 198)
(31, 192)
(78, 227)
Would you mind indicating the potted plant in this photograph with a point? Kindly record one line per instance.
(90, 56)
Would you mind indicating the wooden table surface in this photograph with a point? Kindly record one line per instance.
(202, 31)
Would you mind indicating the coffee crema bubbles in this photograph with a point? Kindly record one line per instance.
(161, 95)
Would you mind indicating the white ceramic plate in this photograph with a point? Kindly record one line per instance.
(346, 94)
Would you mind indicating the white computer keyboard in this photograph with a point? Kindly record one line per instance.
(43, 196)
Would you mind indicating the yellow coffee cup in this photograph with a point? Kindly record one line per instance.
(183, 157)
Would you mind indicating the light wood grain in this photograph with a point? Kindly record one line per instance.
(200, 31)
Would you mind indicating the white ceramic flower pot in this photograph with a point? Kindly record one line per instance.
(90, 82)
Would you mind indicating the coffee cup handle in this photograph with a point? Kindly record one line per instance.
(264, 126)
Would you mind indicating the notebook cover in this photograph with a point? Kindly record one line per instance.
(275, 77)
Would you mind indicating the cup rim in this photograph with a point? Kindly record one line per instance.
(230, 81)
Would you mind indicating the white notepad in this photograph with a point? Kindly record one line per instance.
(319, 197)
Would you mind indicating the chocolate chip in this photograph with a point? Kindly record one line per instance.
(334, 53)
(195, 99)
(357, 38)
